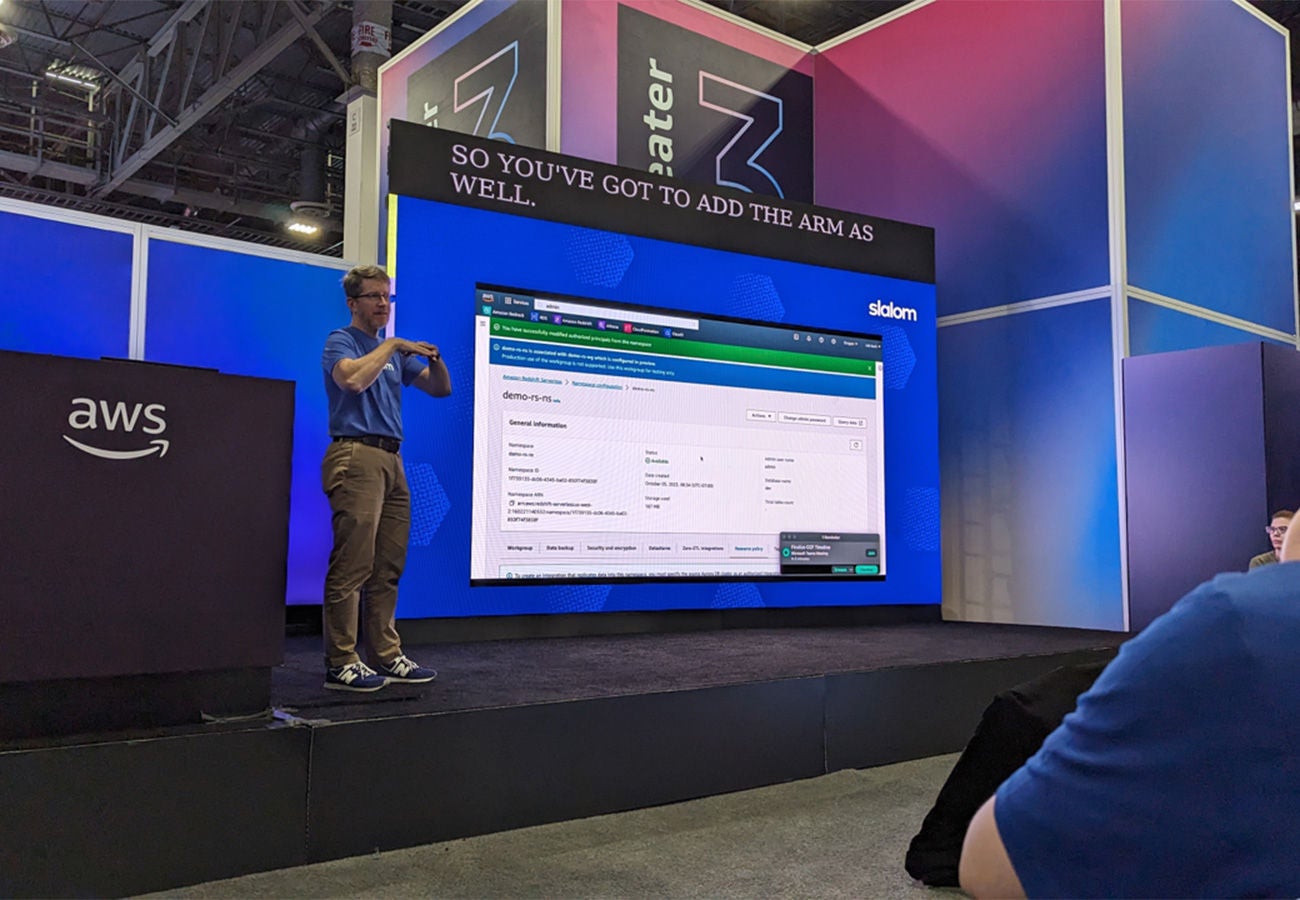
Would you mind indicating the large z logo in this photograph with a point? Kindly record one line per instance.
(764, 117)
(482, 81)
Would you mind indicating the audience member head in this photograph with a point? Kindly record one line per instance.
(1278, 530)
(1288, 548)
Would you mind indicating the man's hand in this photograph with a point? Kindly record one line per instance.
(417, 348)
(356, 375)
(435, 380)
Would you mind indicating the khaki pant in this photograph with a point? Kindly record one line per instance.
(371, 506)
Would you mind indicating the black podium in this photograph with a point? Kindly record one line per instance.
(144, 537)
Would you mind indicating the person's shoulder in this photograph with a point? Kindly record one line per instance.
(1262, 582)
(1272, 590)
(1267, 558)
(1261, 601)
(344, 338)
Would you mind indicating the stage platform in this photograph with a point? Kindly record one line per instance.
(513, 733)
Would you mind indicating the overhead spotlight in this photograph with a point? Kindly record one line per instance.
(68, 79)
(308, 216)
(83, 77)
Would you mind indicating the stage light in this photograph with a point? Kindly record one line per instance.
(68, 79)
(82, 77)
(306, 217)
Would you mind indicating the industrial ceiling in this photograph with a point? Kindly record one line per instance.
(215, 117)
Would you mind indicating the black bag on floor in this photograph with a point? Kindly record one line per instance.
(1012, 729)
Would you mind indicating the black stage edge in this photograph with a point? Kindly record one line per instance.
(513, 733)
(306, 619)
(70, 706)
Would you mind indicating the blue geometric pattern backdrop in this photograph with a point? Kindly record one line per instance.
(990, 121)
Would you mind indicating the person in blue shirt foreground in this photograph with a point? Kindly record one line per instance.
(1178, 774)
(363, 476)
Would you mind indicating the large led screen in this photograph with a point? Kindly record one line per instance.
(703, 427)
(616, 441)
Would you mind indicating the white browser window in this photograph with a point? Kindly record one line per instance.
(620, 442)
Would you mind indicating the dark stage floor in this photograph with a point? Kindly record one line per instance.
(495, 674)
(513, 733)
(490, 674)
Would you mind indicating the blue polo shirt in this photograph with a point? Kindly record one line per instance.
(378, 409)
(1178, 774)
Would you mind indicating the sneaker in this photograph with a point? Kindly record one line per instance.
(356, 676)
(405, 670)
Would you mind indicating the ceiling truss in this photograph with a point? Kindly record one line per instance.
(213, 115)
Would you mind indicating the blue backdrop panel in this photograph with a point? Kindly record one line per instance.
(987, 121)
(1207, 178)
(1159, 329)
(1281, 426)
(1195, 454)
(84, 275)
(1028, 457)
(443, 250)
(250, 315)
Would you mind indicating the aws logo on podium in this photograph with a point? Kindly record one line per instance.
(94, 420)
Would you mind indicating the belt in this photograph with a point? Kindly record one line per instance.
(392, 445)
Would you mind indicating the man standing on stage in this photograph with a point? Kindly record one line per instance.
(363, 476)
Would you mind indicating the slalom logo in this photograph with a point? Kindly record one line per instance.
(891, 311)
(89, 415)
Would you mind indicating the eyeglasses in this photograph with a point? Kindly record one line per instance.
(373, 297)
(1276, 530)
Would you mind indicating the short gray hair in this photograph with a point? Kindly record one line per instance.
(352, 280)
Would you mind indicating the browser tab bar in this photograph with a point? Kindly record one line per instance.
(627, 315)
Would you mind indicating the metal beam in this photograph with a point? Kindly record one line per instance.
(118, 153)
(31, 165)
(162, 86)
(272, 100)
(113, 75)
(323, 47)
(228, 37)
(39, 35)
(196, 54)
(163, 193)
(164, 36)
(210, 100)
